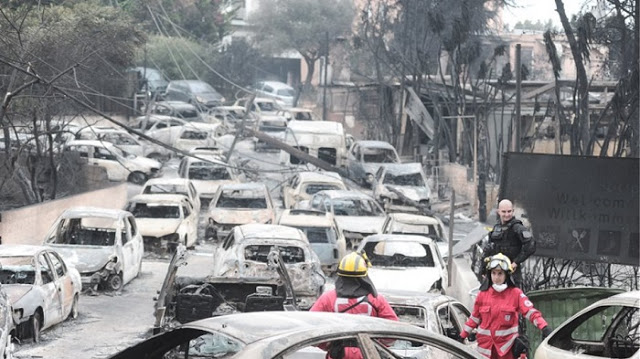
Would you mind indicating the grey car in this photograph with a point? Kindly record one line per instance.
(196, 92)
(295, 335)
(365, 157)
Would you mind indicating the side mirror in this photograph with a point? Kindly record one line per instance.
(452, 333)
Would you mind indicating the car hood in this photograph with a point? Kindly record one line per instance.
(157, 227)
(360, 224)
(85, 258)
(145, 162)
(371, 167)
(414, 193)
(241, 216)
(15, 292)
(205, 187)
(404, 278)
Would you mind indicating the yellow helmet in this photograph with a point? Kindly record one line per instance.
(354, 265)
(499, 260)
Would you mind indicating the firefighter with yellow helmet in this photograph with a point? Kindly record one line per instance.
(354, 293)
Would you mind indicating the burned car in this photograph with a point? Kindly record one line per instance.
(207, 172)
(357, 214)
(6, 326)
(365, 157)
(436, 312)
(244, 254)
(303, 185)
(181, 186)
(402, 188)
(42, 288)
(273, 335)
(236, 204)
(428, 226)
(104, 245)
(405, 262)
(164, 221)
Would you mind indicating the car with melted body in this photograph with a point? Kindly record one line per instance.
(357, 214)
(323, 233)
(419, 225)
(237, 204)
(270, 335)
(364, 158)
(165, 221)
(42, 288)
(246, 252)
(402, 188)
(119, 165)
(104, 245)
(302, 185)
(208, 172)
(405, 262)
(165, 185)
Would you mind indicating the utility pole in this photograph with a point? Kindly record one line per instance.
(326, 68)
(516, 143)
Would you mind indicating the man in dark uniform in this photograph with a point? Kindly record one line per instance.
(511, 238)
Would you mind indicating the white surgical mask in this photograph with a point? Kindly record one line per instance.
(500, 287)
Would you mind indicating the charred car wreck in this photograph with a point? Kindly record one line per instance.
(189, 292)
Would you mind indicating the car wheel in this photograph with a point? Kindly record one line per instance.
(73, 314)
(115, 282)
(137, 178)
(35, 323)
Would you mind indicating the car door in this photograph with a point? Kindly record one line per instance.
(125, 251)
(116, 171)
(51, 289)
(191, 223)
(64, 283)
(194, 196)
(136, 244)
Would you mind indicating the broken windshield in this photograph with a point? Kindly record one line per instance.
(319, 234)
(356, 207)
(380, 156)
(17, 270)
(144, 210)
(161, 188)
(410, 179)
(399, 254)
(208, 172)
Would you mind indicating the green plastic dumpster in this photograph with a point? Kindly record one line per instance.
(558, 305)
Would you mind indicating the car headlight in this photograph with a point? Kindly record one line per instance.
(200, 99)
(370, 178)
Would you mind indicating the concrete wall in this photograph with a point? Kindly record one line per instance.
(30, 224)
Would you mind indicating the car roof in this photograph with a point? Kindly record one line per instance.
(401, 168)
(97, 143)
(208, 157)
(319, 127)
(409, 218)
(398, 238)
(243, 186)
(375, 144)
(159, 198)
(412, 298)
(18, 250)
(167, 180)
(297, 325)
(82, 211)
(270, 231)
(276, 84)
(334, 193)
(308, 176)
(305, 217)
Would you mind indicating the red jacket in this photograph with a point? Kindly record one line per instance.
(372, 306)
(495, 314)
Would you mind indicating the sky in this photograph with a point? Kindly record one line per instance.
(539, 10)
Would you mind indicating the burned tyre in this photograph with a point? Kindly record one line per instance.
(115, 282)
(137, 178)
(35, 325)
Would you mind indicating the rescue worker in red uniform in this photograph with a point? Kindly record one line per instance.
(495, 312)
(354, 294)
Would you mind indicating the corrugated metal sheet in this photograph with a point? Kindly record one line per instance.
(558, 305)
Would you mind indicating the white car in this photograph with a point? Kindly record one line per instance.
(261, 105)
(120, 166)
(357, 214)
(125, 142)
(42, 288)
(608, 328)
(181, 186)
(322, 231)
(207, 172)
(103, 244)
(281, 92)
(365, 157)
(428, 226)
(404, 262)
(159, 127)
(302, 185)
(245, 252)
(402, 187)
(237, 204)
(196, 134)
(165, 221)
